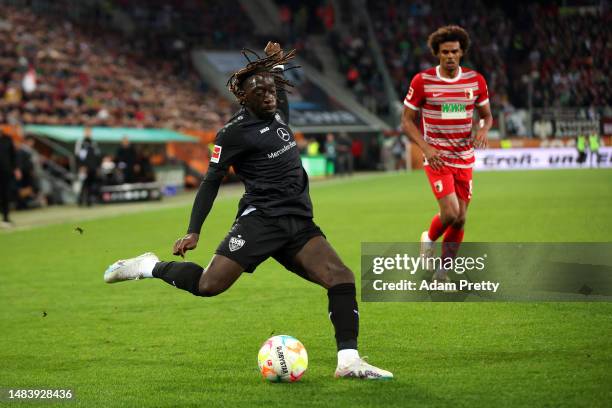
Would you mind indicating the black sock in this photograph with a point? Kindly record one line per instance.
(183, 275)
(344, 314)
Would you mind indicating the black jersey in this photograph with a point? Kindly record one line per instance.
(265, 156)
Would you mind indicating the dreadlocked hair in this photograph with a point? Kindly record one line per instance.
(261, 66)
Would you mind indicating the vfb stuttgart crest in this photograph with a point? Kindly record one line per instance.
(235, 243)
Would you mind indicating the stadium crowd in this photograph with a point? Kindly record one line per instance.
(168, 28)
(565, 51)
(52, 72)
(357, 63)
(56, 72)
(300, 20)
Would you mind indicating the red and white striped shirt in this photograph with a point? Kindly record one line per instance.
(447, 107)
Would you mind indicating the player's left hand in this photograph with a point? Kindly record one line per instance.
(187, 243)
(481, 140)
(272, 48)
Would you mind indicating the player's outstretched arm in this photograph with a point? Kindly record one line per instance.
(228, 146)
(201, 207)
(282, 102)
(432, 155)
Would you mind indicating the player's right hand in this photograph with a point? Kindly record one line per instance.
(433, 157)
(182, 245)
(272, 48)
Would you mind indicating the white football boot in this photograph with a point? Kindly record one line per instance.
(129, 269)
(359, 368)
(427, 249)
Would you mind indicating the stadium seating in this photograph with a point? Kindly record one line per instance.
(54, 72)
(564, 49)
(94, 71)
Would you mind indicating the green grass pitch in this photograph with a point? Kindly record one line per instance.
(144, 343)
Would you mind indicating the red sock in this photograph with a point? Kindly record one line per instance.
(452, 239)
(436, 228)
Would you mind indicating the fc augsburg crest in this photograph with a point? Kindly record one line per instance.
(235, 243)
(438, 186)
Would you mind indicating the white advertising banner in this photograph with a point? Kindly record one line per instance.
(539, 158)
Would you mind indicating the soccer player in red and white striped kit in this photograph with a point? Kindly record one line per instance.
(446, 97)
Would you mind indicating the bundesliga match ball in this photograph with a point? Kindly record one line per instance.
(282, 359)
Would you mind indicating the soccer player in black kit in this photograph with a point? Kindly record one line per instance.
(274, 216)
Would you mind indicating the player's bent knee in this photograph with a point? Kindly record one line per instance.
(459, 221)
(206, 288)
(449, 213)
(450, 217)
(208, 292)
(205, 293)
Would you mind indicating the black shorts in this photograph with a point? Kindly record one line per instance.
(254, 238)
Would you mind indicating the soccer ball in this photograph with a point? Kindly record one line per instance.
(282, 359)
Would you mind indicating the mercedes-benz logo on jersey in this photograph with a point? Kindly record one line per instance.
(283, 134)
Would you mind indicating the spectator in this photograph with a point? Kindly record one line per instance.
(109, 172)
(327, 15)
(357, 152)
(581, 145)
(398, 149)
(40, 186)
(373, 153)
(126, 160)
(27, 186)
(330, 154)
(344, 154)
(594, 143)
(8, 173)
(313, 147)
(285, 17)
(352, 77)
(89, 160)
(143, 170)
